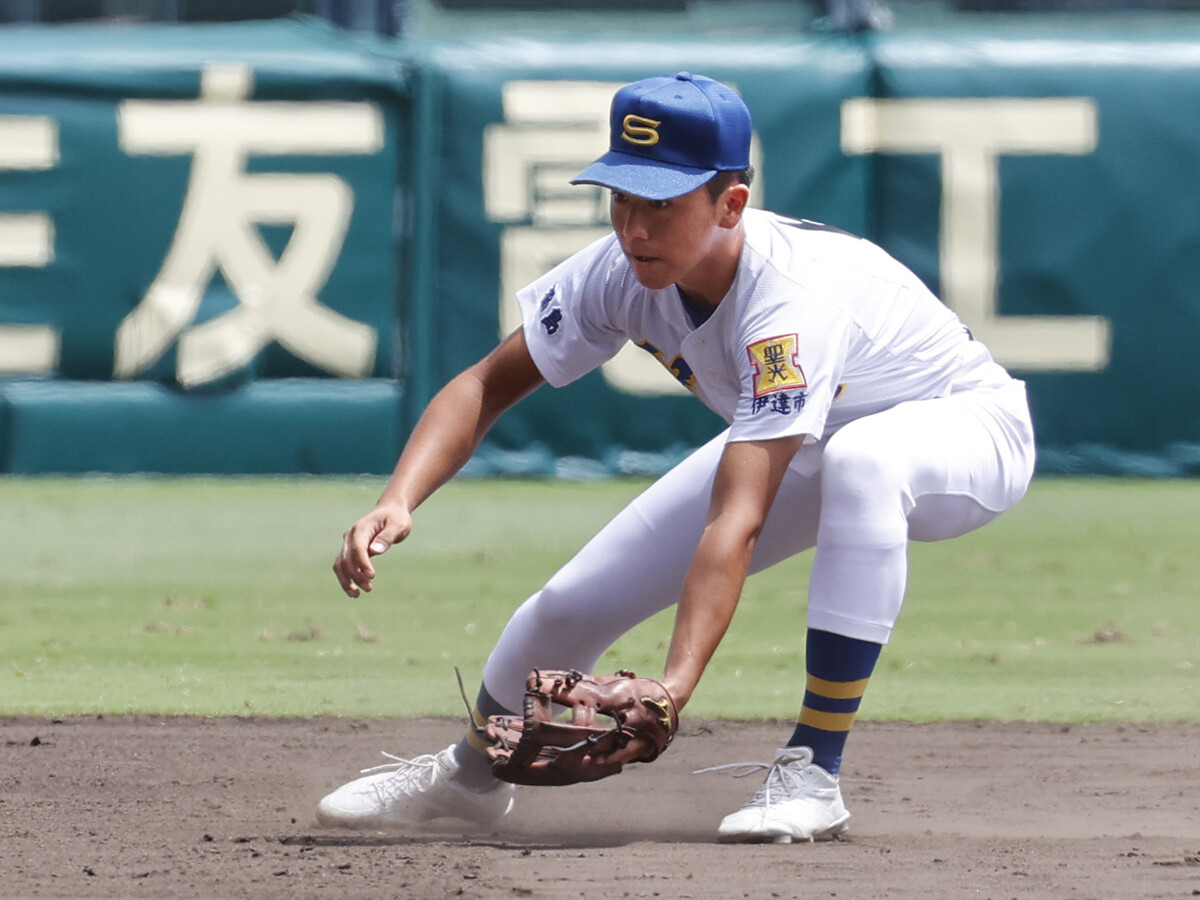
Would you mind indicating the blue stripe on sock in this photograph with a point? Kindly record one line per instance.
(828, 704)
(837, 658)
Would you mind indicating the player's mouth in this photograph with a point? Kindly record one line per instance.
(640, 257)
(649, 270)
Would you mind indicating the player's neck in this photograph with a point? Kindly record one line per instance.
(709, 282)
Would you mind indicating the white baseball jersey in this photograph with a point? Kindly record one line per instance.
(819, 328)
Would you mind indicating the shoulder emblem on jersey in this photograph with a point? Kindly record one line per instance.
(553, 315)
(775, 365)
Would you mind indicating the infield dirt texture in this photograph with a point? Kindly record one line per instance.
(191, 807)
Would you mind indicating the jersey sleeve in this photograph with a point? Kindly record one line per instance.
(566, 316)
(790, 371)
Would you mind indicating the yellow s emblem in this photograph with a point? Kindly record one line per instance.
(640, 131)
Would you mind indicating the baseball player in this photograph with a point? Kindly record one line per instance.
(861, 415)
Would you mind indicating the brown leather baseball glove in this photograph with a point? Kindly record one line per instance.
(538, 749)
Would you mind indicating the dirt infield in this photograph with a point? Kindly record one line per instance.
(148, 807)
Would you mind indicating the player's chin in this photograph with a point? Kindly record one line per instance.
(652, 273)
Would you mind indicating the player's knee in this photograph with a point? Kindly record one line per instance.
(554, 610)
(862, 476)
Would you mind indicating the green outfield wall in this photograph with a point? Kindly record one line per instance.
(262, 247)
(199, 250)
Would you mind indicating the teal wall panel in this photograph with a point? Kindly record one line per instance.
(275, 426)
(199, 224)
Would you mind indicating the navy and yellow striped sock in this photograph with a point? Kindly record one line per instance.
(838, 671)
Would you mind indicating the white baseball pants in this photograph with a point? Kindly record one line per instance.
(924, 470)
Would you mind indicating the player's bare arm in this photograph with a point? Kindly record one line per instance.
(746, 483)
(445, 436)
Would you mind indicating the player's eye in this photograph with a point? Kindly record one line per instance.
(619, 197)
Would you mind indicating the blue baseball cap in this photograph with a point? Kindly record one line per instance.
(669, 135)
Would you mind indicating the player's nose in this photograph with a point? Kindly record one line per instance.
(629, 224)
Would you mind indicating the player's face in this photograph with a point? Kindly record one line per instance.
(684, 241)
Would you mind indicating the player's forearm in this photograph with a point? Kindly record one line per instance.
(442, 442)
(744, 489)
(457, 419)
(710, 596)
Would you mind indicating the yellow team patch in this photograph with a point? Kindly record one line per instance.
(775, 365)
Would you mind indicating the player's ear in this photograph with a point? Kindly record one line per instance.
(733, 202)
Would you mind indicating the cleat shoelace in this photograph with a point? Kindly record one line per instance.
(418, 772)
(781, 779)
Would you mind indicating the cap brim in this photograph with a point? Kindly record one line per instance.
(642, 178)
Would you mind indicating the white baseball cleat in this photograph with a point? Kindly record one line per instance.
(798, 801)
(411, 791)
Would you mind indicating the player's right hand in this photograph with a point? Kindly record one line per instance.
(370, 536)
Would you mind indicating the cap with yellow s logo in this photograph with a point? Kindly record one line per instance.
(671, 134)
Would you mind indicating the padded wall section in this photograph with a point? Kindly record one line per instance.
(282, 426)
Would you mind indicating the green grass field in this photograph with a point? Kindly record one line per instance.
(215, 597)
